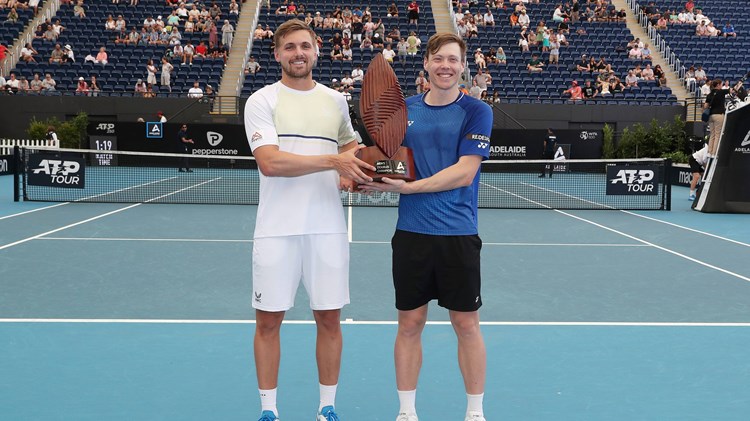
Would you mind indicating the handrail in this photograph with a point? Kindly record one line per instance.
(50, 9)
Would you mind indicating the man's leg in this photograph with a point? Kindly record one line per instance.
(328, 345)
(472, 356)
(408, 356)
(267, 347)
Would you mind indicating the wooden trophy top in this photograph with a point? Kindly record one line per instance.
(382, 106)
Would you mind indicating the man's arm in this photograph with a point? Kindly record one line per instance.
(460, 174)
(275, 163)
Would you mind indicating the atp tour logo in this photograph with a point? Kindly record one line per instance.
(55, 171)
(108, 128)
(214, 138)
(632, 180)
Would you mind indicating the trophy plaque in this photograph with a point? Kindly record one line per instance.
(383, 111)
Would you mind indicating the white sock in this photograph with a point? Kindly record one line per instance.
(692, 191)
(268, 400)
(327, 396)
(474, 403)
(408, 401)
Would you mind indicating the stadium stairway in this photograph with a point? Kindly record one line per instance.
(233, 75)
(673, 80)
(442, 12)
(47, 10)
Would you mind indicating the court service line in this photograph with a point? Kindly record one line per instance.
(33, 210)
(692, 259)
(67, 226)
(688, 228)
(187, 240)
(377, 322)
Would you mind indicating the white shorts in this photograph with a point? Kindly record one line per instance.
(320, 261)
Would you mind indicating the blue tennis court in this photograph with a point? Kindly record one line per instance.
(143, 312)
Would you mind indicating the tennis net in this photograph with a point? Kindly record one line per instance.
(70, 175)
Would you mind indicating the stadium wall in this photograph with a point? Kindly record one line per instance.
(18, 111)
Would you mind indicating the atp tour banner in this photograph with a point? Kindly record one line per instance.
(64, 170)
(632, 179)
(154, 136)
(6, 164)
(529, 144)
(725, 186)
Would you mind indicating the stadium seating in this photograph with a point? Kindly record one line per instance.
(127, 63)
(722, 58)
(600, 40)
(327, 70)
(9, 31)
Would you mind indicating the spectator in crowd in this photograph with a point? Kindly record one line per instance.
(700, 76)
(535, 65)
(166, 72)
(48, 83)
(347, 52)
(82, 88)
(690, 81)
(660, 76)
(252, 67)
(421, 82)
(501, 57)
(729, 31)
(479, 59)
(589, 91)
(635, 53)
(12, 16)
(140, 87)
(102, 57)
(188, 52)
(68, 55)
(57, 54)
(414, 43)
(575, 91)
(79, 11)
(475, 91)
(94, 86)
(336, 54)
(711, 30)
(358, 73)
(648, 73)
(36, 84)
(195, 92)
(27, 53)
(227, 33)
(412, 12)
(554, 51)
(483, 79)
(702, 29)
(583, 64)
(631, 80)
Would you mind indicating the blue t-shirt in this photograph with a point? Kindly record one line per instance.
(439, 136)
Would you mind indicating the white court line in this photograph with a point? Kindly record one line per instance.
(376, 322)
(187, 240)
(100, 216)
(350, 225)
(67, 226)
(32, 210)
(700, 262)
(688, 228)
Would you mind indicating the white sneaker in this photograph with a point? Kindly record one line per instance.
(474, 416)
(407, 417)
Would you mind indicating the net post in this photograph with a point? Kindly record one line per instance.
(16, 176)
(668, 184)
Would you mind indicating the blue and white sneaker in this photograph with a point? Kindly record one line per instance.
(691, 197)
(327, 414)
(268, 416)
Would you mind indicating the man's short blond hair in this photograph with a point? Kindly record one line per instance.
(437, 41)
(290, 26)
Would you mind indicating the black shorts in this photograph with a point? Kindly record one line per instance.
(446, 268)
(695, 166)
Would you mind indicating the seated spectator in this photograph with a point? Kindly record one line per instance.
(421, 82)
(631, 80)
(660, 76)
(646, 52)
(140, 88)
(514, 19)
(604, 88)
(712, 31)
(728, 30)
(700, 75)
(337, 55)
(195, 92)
(583, 64)
(648, 73)
(488, 18)
(102, 57)
(56, 57)
(347, 53)
(48, 83)
(36, 84)
(661, 23)
(635, 53)
(479, 59)
(358, 73)
(575, 92)
(12, 15)
(79, 11)
(589, 91)
(535, 65)
(27, 53)
(252, 67)
(702, 29)
(392, 11)
(690, 80)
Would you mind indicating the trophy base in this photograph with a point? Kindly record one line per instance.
(400, 166)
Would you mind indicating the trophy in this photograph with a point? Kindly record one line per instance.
(383, 111)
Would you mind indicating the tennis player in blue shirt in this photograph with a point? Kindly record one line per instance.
(436, 246)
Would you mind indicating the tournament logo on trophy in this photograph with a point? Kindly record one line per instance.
(383, 111)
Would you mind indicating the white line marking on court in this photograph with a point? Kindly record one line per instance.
(33, 210)
(199, 240)
(700, 262)
(688, 228)
(67, 226)
(379, 322)
(350, 226)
